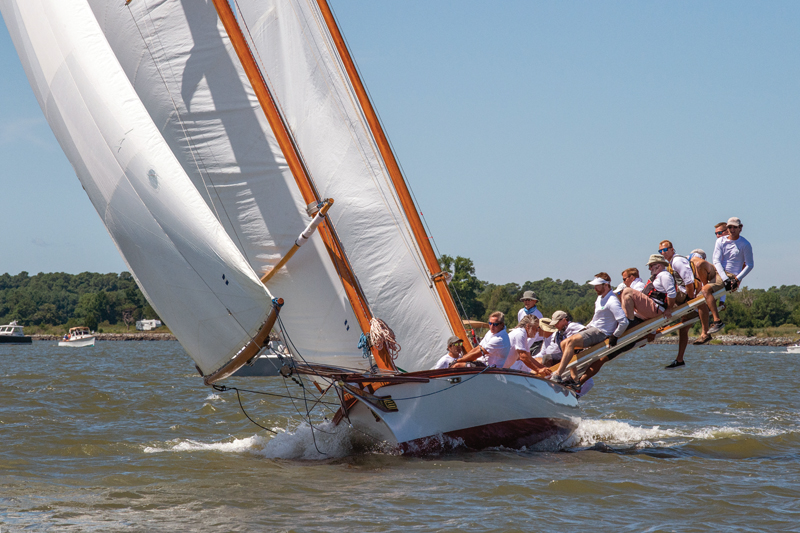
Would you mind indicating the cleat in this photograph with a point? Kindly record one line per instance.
(716, 326)
(675, 364)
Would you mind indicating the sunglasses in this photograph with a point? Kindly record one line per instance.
(495, 324)
(661, 251)
(733, 227)
(719, 233)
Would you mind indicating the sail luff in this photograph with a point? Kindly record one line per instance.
(396, 175)
(354, 293)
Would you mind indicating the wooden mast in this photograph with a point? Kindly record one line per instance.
(429, 256)
(301, 175)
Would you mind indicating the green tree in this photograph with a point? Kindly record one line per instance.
(464, 286)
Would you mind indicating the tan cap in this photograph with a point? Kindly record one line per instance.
(734, 221)
(699, 252)
(657, 258)
(544, 323)
(558, 315)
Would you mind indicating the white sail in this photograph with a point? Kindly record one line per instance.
(183, 259)
(304, 72)
(179, 60)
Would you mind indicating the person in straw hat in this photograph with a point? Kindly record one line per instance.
(530, 300)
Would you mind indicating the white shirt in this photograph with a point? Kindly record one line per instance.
(609, 316)
(553, 348)
(538, 314)
(683, 268)
(665, 283)
(637, 284)
(734, 256)
(496, 347)
(444, 362)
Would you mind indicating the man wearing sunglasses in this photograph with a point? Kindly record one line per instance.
(733, 255)
(493, 349)
(609, 322)
(455, 347)
(721, 230)
(683, 272)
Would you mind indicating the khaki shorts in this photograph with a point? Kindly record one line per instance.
(591, 336)
(716, 284)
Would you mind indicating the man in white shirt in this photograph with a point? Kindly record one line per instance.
(530, 300)
(519, 357)
(562, 328)
(687, 290)
(455, 348)
(733, 255)
(493, 349)
(651, 301)
(609, 322)
(630, 277)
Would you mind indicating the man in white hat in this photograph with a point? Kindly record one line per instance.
(733, 255)
(609, 322)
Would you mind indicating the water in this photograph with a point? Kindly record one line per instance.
(124, 437)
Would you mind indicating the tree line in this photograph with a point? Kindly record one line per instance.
(91, 299)
(86, 299)
(746, 308)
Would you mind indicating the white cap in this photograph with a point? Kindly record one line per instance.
(620, 287)
(598, 281)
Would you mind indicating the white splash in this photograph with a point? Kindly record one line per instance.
(186, 445)
(325, 441)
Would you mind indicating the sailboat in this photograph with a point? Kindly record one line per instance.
(244, 176)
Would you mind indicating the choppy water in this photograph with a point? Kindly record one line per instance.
(124, 437)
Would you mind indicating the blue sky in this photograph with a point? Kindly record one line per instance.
(541, 140)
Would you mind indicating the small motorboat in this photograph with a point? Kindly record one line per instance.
(794, 348)
(12, 334)
(78, 337)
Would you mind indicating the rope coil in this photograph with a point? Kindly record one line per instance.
(382, 336)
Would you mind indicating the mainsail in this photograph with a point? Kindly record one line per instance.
(181, 256)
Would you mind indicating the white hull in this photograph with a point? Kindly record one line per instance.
(494, 408)
(78, 343)
(793, 349)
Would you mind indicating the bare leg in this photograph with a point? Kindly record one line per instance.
(568, 347)
(703, 312)
(593, 369)
(683, 340)
(711, 302)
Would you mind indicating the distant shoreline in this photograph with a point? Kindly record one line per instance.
(723, 340)
(736, 340)
(116, 337)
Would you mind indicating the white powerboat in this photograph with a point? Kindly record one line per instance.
(12, 334)
(78, 337)
(794, 348)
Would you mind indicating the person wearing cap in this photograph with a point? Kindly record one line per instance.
(455, 348)
(733, 255)
(710, 282)
(562, 327)
(683, 272)
(652, 300)
(519, 358)
(609, 322)
(493, 349)
(530, 300)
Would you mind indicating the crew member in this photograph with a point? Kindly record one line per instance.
(733, 255)
(530, 300)
(710, 282)
(681, 270)
(455, 348)
(519, 358)
(493, 349)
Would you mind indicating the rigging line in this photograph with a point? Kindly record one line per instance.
(225, 388)
(199, 163)
(308, 413)
(445, 389)
(248, 416)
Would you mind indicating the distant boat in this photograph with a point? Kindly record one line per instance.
(78, 337)
(794, 348)
(12, 334)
